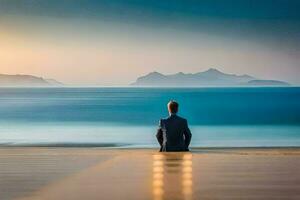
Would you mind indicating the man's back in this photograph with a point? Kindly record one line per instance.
(173, 134)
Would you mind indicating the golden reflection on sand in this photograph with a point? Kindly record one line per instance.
(172, 176)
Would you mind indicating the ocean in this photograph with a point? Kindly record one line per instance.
(128, 117)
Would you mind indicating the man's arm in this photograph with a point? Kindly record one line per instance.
(159, 134)
(187, 135)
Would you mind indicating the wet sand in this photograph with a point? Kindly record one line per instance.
(98, 173)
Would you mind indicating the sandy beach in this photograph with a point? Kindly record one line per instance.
(99, 173)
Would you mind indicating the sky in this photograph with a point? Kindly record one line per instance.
(112, 42)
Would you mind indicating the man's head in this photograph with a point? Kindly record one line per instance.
(173, 107)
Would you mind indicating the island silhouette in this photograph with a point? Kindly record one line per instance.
(20, 80)
(210, 77)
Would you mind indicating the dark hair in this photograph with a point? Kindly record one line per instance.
(173, 106)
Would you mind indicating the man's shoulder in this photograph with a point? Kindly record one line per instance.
(181, 118)
(162, 121)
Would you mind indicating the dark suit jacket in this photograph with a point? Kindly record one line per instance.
(174, 134)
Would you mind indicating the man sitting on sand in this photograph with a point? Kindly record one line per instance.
(173, 133)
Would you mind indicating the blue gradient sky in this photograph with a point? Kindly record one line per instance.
(111, 42)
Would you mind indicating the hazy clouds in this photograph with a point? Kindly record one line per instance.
(112, 42)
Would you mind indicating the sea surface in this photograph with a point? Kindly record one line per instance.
(128, 117)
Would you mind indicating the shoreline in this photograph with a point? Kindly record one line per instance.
(135, 147)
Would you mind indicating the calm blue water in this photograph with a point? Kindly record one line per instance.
(129, 116)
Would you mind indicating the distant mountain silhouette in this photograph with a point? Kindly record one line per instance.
(54, 82)
(211, 77)
(268, 82)
(26, 81)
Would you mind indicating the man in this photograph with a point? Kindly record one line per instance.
(173, 133)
